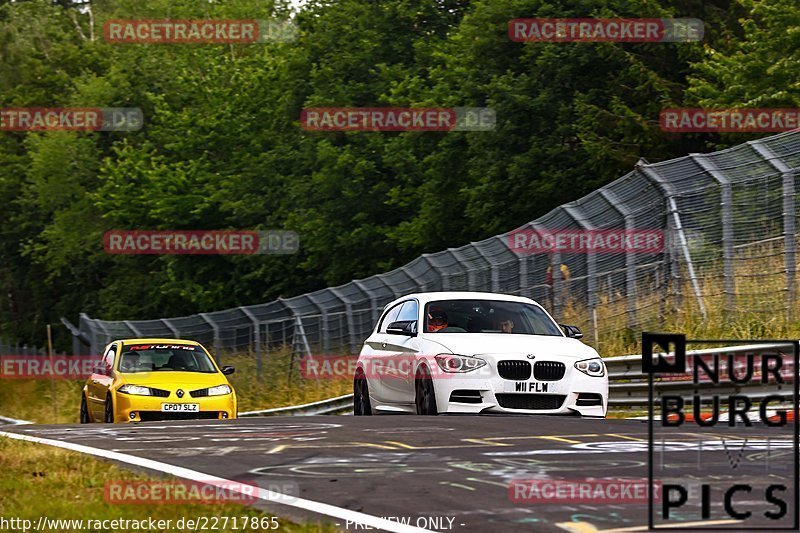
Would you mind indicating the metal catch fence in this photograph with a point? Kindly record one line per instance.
(729, 223)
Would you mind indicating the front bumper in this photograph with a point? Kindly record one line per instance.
(133, 408)
(486, 392)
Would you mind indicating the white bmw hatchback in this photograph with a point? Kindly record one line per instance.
(476, 352)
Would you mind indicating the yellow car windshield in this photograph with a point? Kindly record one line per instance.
(164, 358)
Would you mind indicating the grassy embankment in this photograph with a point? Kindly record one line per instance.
(38, 480)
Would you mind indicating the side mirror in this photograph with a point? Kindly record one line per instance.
(228, 370)
(572, 331)
(403, 327)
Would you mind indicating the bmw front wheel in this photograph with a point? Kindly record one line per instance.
(361, 405)
(425, 397)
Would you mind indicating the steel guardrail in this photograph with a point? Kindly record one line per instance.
(332, 406)
(4, 420)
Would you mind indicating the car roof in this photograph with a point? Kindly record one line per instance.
(425, 297)
(158, 341)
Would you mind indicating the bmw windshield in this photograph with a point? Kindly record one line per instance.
(164, 358)
(488, 316)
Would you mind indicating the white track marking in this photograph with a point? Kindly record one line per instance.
(262, 494)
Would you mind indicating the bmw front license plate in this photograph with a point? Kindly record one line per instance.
(528, 386)
(180, 407)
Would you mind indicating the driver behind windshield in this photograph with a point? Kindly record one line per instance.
(180, 361)
(437, 319)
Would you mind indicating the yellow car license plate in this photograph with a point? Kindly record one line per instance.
(180, 407)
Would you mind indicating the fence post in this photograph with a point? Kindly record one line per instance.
(133, 328)
(558, 284)
(789, 224)
(522, 264)
(351, 326)
(494, 270)
(662, 285)
(591, 262)
(324, 328)
(299, 329)
(494, 274)
(469, 271)
(217, 340)
(106, 334)
(630, 259)
(373, 300)
(673, 264)
(444, 277)
(83, 318)
(256, 339)
(727, 231)
(524, 283)
(789, 229)
(171, 327)
(630, 278)
(674, 214)
(554, 286)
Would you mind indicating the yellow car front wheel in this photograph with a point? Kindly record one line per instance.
(84, 410)
(109, 411)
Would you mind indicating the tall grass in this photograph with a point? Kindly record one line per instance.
(281, 382)
(761, 309)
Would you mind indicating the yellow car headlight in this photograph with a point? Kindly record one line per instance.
(219, 390)
(136, 390)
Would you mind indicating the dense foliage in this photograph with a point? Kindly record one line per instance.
(222, 147)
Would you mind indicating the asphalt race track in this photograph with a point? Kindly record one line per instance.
(456, 467)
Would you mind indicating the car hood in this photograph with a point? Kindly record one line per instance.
(499, 343)
(174, 380)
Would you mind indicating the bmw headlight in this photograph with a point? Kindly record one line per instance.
(592, 367)
(137, 390)
(458, 363)
(219, 390)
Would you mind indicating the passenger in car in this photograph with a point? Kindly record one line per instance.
(506, 325)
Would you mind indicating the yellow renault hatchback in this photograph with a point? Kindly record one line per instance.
(139, 380)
